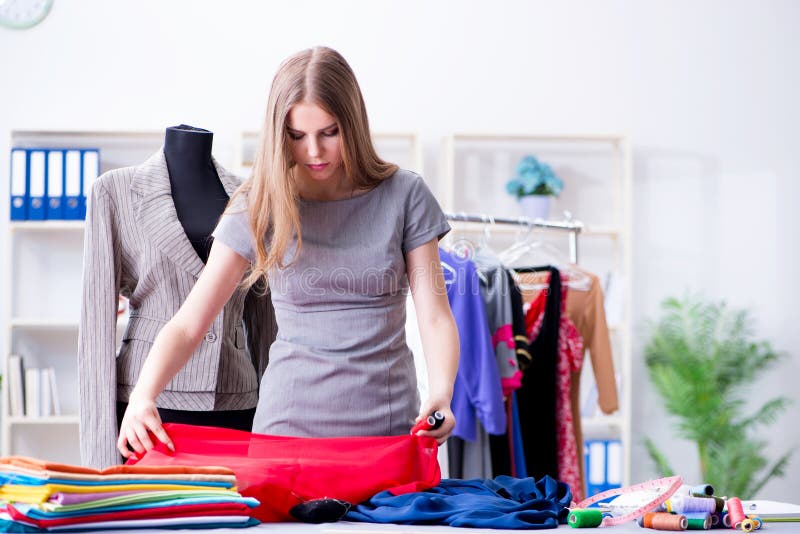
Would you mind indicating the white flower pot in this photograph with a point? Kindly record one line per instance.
(535, 206)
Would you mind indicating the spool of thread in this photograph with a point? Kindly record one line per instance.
(735, 511)
(698, 520)
(669, 522)
(720, 502)
(702, 489)
(586, 518)
(757, 520)
(725, 517)
(685, 504)
(747, 525)
(648, 519)
(715, 520)
(432, 422)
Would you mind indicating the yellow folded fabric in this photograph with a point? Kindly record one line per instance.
(40, 494)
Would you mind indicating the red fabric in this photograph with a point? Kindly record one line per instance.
(570, 360)
(282, 472)
(186, 510)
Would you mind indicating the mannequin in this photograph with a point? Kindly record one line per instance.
(147, 239)
(197, 192)
(200, 199)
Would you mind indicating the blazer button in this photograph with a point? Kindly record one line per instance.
(211, 337)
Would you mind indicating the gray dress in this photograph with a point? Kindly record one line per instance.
(340, 365)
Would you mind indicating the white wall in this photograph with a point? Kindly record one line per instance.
(707, 91)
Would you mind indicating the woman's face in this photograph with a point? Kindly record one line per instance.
(315, 142)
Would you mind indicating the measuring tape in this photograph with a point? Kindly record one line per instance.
(663, 488)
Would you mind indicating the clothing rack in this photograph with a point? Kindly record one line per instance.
(567, 225)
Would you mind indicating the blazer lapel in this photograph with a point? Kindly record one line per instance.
(157, 217)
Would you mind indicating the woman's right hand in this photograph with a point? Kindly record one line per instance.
(141, 417)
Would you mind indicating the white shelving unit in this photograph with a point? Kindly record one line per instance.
(596, 170)
(42, 289)
(43, 269)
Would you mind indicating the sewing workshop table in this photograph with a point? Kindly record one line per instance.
(373, 528)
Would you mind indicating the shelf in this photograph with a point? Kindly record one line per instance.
(602, 421)
(78, 134)
(50, 420)
(46, 226)
(609, 138)
(476, 227)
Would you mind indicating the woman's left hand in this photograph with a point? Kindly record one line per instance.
(443, 432)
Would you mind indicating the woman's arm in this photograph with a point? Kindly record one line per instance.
(438, 331)
(175, 344)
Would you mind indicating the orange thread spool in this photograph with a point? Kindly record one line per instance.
(736, 511)
(669, 522)
(647, 521)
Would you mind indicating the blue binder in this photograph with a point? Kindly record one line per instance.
(19, 184)
(73, 188)
(37, 184)
(90, 169)
(55, 185)
(603, 465)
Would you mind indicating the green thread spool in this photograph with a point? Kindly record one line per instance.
(698, 524)
(585, 518)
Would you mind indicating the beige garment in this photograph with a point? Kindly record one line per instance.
(585, 309)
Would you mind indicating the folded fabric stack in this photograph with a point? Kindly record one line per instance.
(38, 496)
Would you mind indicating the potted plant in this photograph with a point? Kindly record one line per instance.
(533, 186)
(702, 358)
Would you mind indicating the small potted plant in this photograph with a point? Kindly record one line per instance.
(533, 186)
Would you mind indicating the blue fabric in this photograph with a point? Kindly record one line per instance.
(477, 390)
(519, 451)
(503, 503)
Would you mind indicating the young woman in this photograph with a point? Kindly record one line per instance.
(341, 235)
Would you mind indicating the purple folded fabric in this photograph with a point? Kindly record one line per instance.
(77, 498)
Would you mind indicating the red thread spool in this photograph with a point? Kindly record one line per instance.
(735, 511)
(669, 522)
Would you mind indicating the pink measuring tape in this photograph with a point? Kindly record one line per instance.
(665, 487)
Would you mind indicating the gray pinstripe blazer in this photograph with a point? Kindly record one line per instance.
(135, 246)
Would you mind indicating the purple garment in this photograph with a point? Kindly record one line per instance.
(60, 497)
(477, 390)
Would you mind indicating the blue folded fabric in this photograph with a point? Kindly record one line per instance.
(504, 503)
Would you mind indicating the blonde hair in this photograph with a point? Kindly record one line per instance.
(320, 76)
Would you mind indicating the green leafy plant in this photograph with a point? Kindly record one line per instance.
(701, 358)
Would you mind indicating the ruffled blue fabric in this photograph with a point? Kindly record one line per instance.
(503, 503)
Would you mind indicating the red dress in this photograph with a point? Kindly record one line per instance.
(570, 359)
